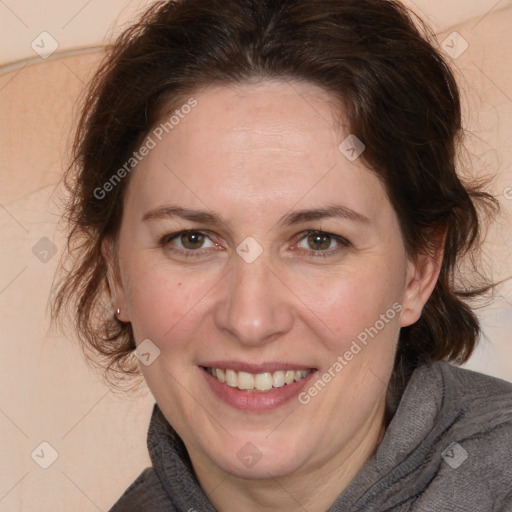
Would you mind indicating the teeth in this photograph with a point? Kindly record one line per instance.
(259, 382)
(245, 380)
(278, 379)
(300, 374)
(263, 381)
(231, 378)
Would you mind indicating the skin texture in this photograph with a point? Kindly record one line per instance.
(252, 154)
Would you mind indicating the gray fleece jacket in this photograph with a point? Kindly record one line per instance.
(447, 447)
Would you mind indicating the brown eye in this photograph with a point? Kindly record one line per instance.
(319, 241)
(192, 240)
(189, 243)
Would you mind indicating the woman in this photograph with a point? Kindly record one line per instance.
(265, 193)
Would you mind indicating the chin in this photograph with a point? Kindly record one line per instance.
(262, 459)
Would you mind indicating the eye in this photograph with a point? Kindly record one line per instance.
(320, 242)
(188, 240)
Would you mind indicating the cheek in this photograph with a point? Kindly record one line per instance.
(164, 303)
(356, 305)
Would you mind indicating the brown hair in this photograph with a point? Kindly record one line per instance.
(400, 99)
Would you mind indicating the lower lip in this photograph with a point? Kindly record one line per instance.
(256, 401)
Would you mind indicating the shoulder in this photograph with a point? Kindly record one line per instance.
(145, 494)
(482, 405)
(475, 446)
(480, 399)
(472, 382)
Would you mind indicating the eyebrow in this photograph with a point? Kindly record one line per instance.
(297, 217)
(199, 216)
(336, 211)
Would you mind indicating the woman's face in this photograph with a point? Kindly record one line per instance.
(291, 261)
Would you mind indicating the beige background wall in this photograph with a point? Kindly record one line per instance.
(47, 394)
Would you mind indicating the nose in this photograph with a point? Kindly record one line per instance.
(255, 307)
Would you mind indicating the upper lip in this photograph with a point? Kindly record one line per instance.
(271, 366)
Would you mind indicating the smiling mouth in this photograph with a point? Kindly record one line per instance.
(260, 382)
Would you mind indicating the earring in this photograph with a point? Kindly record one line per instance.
(118, 312)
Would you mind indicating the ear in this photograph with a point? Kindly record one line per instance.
(422, 274)
(115, 285)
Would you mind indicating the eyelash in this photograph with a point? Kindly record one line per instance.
(167, 239)
(343, 243)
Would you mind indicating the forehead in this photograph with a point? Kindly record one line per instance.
(259, 146)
